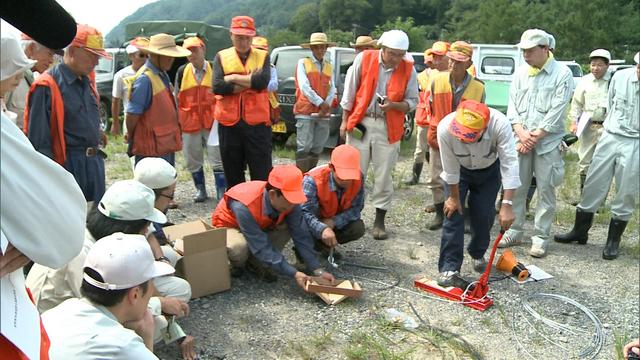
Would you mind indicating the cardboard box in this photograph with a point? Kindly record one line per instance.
(204, 264)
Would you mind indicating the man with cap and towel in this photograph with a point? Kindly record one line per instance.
(448, 89)
(616, 156)
(378, 93)
(260, 218)
(241, 77)
(478, 154)
(315, 92)
(193, 90)
(436, 60)
(538, 98)
(152, 116)
(62, 119)
(335, 199)
(120, 91)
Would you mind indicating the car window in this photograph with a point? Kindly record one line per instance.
(287, 61)
(575, 70)
(345, 59)
(104, 66)
(497, 65)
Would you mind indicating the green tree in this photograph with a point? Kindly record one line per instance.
(417, 34)
(306, 19)
(341, 38)
(285, 37)
(342, 14)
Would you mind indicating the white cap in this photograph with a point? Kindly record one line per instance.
(552, 41)
(155, 173)
(601, 53)
(130, 49)
(394, 39)
(637, 58)
(123, 261)
(533, 37)
(130, 200)
(13, 58)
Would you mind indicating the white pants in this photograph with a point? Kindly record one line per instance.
(375, 146)
(587, 145)
(615, 157)
(422, 146)
(193, 145)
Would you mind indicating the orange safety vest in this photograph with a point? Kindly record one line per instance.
(9, 351)
(320, 83)
(157, 132)
(423, 112)
(250, 194)
(327, 199)
(442, 103)
(395, 92)
(196, 101)
(250, 105)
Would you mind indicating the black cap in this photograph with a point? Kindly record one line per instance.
(45, 21)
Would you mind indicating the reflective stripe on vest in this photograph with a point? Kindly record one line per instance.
(157, 132)
(442, 103)
(395, 92)
(320, 83)
(327, 199)
(250, 195)
(196, 100)
(250, 105)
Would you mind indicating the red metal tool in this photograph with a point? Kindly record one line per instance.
(476, 297)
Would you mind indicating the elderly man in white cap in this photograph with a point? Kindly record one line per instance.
(615, 156)
(315, 92)
(589, 104)
(117, 284)
(14, 65)
(120, 90)
(538, 98)
(380, 90)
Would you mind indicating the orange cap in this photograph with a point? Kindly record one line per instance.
(288, 179)
(140, 42)
(428, 56)
(91, 40)
(192, 42)
(460, 51)
(260, 42)
(346, 162)
(440, 47)
(243, 25)
(470, 121)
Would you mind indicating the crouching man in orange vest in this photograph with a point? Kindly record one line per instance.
(261, 217)
(380, 90)
(335, 198)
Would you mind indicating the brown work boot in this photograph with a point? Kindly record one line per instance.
(437, 221)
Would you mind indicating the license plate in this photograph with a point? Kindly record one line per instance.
(286, 98)
(279, 127)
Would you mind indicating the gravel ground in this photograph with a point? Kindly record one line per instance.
(256, 320)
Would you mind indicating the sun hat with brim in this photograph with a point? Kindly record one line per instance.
(243, 25)
(123, 261)
(260, 42)
(346, 162)
(130, 200)
(13, 58)
(317, 39)
(165, 45)
(364, 41)
(460, 51)
(533, 37)
(90, 39)
(288, 179)
(470, 121)
(155, 173)
(440, 47)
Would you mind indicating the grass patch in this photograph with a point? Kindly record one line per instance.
(310, 348)
(620, 340)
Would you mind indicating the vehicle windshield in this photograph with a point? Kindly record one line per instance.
(498, 65)
(104, 66)
(287, 61)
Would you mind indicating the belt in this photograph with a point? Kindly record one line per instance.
(597, 122)
(88, 152)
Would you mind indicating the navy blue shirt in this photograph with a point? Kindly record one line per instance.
(260, 245)
(81, 114)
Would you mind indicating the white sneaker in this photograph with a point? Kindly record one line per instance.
(508, 239)
(537, 251)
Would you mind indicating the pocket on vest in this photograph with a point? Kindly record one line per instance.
(167, 140)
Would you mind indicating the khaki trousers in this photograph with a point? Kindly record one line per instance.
(587, 146)
(422, 146)
(193, 145)
(238, 248)
(435, 183)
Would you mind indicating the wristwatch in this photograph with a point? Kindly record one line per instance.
(508, 202)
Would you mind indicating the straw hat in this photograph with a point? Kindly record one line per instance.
(317, 39)
(165, 45)
(362, 41)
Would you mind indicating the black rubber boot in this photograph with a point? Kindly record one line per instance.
(415, 174)
(379, 231)
(438, 219)
(201, 191)
(580, 231)
(221, 183)
(616, 228)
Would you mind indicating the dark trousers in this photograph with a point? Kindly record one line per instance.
(481, 186)
(243, 144)
(170, 158)
(350, 232)
(88, 172)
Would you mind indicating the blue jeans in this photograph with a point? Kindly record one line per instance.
(482, 188)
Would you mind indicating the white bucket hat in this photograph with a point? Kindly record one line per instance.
(13, 58)
(394, 39)
(533, 37)
(130, 200)
(123, 261)
(155, 173)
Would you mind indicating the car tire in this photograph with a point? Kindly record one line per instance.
(105, 115)
(408, 126)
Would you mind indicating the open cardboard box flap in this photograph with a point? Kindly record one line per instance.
(196, 236)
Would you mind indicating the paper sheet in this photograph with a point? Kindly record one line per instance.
(535, 274)
(583, 121)
(213, 135)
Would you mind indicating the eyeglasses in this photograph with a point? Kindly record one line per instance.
(170, 197)
(141, 55)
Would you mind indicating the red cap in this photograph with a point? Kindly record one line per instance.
(192, 42)
(91, 40)
(243, 25)
(288, 179)
(440, 47)
(470, 121)
(346, 162)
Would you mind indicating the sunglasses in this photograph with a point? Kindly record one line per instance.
(170, 197)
